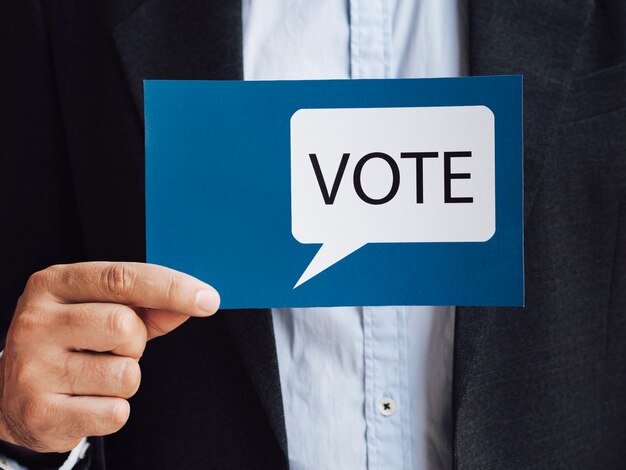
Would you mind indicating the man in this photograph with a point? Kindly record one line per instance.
(532, 388)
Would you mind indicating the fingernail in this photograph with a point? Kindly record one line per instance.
(208, 300)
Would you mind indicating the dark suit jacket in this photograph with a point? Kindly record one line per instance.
(539, 387)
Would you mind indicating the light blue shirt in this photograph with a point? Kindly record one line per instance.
(363, 387)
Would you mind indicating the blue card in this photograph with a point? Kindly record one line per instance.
(339, 192)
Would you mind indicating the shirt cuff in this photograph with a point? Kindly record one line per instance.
(77, 454)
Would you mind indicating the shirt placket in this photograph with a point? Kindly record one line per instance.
(385, 389)
(370, 38)
(383, 341)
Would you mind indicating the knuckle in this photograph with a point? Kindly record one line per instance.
(119, 279)
(130, 378)
(68, 317)
(26, 375)
(122, 322)
(118, 413)
(140, 338)
(134, 349)
(26, 323)
(39, 279)
(173, 287)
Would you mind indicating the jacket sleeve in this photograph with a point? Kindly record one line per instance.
(39, 225)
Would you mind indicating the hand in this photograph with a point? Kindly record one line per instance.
(71, 357)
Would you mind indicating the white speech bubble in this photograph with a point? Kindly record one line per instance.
(384, 212)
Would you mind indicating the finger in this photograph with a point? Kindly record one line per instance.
(135, 284)
(103, 375)
(160, 322)
(100, 327)
(90, 416)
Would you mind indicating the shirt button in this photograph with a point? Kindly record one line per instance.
(386, 406)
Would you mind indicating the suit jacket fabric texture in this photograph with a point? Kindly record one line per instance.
(537, 387)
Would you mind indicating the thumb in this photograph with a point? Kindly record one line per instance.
(160, 322)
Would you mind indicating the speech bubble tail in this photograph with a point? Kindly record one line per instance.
(327, 255)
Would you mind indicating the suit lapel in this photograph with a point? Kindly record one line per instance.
(539, 40)
(171, 39)
(253, 333)
(200, 40)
